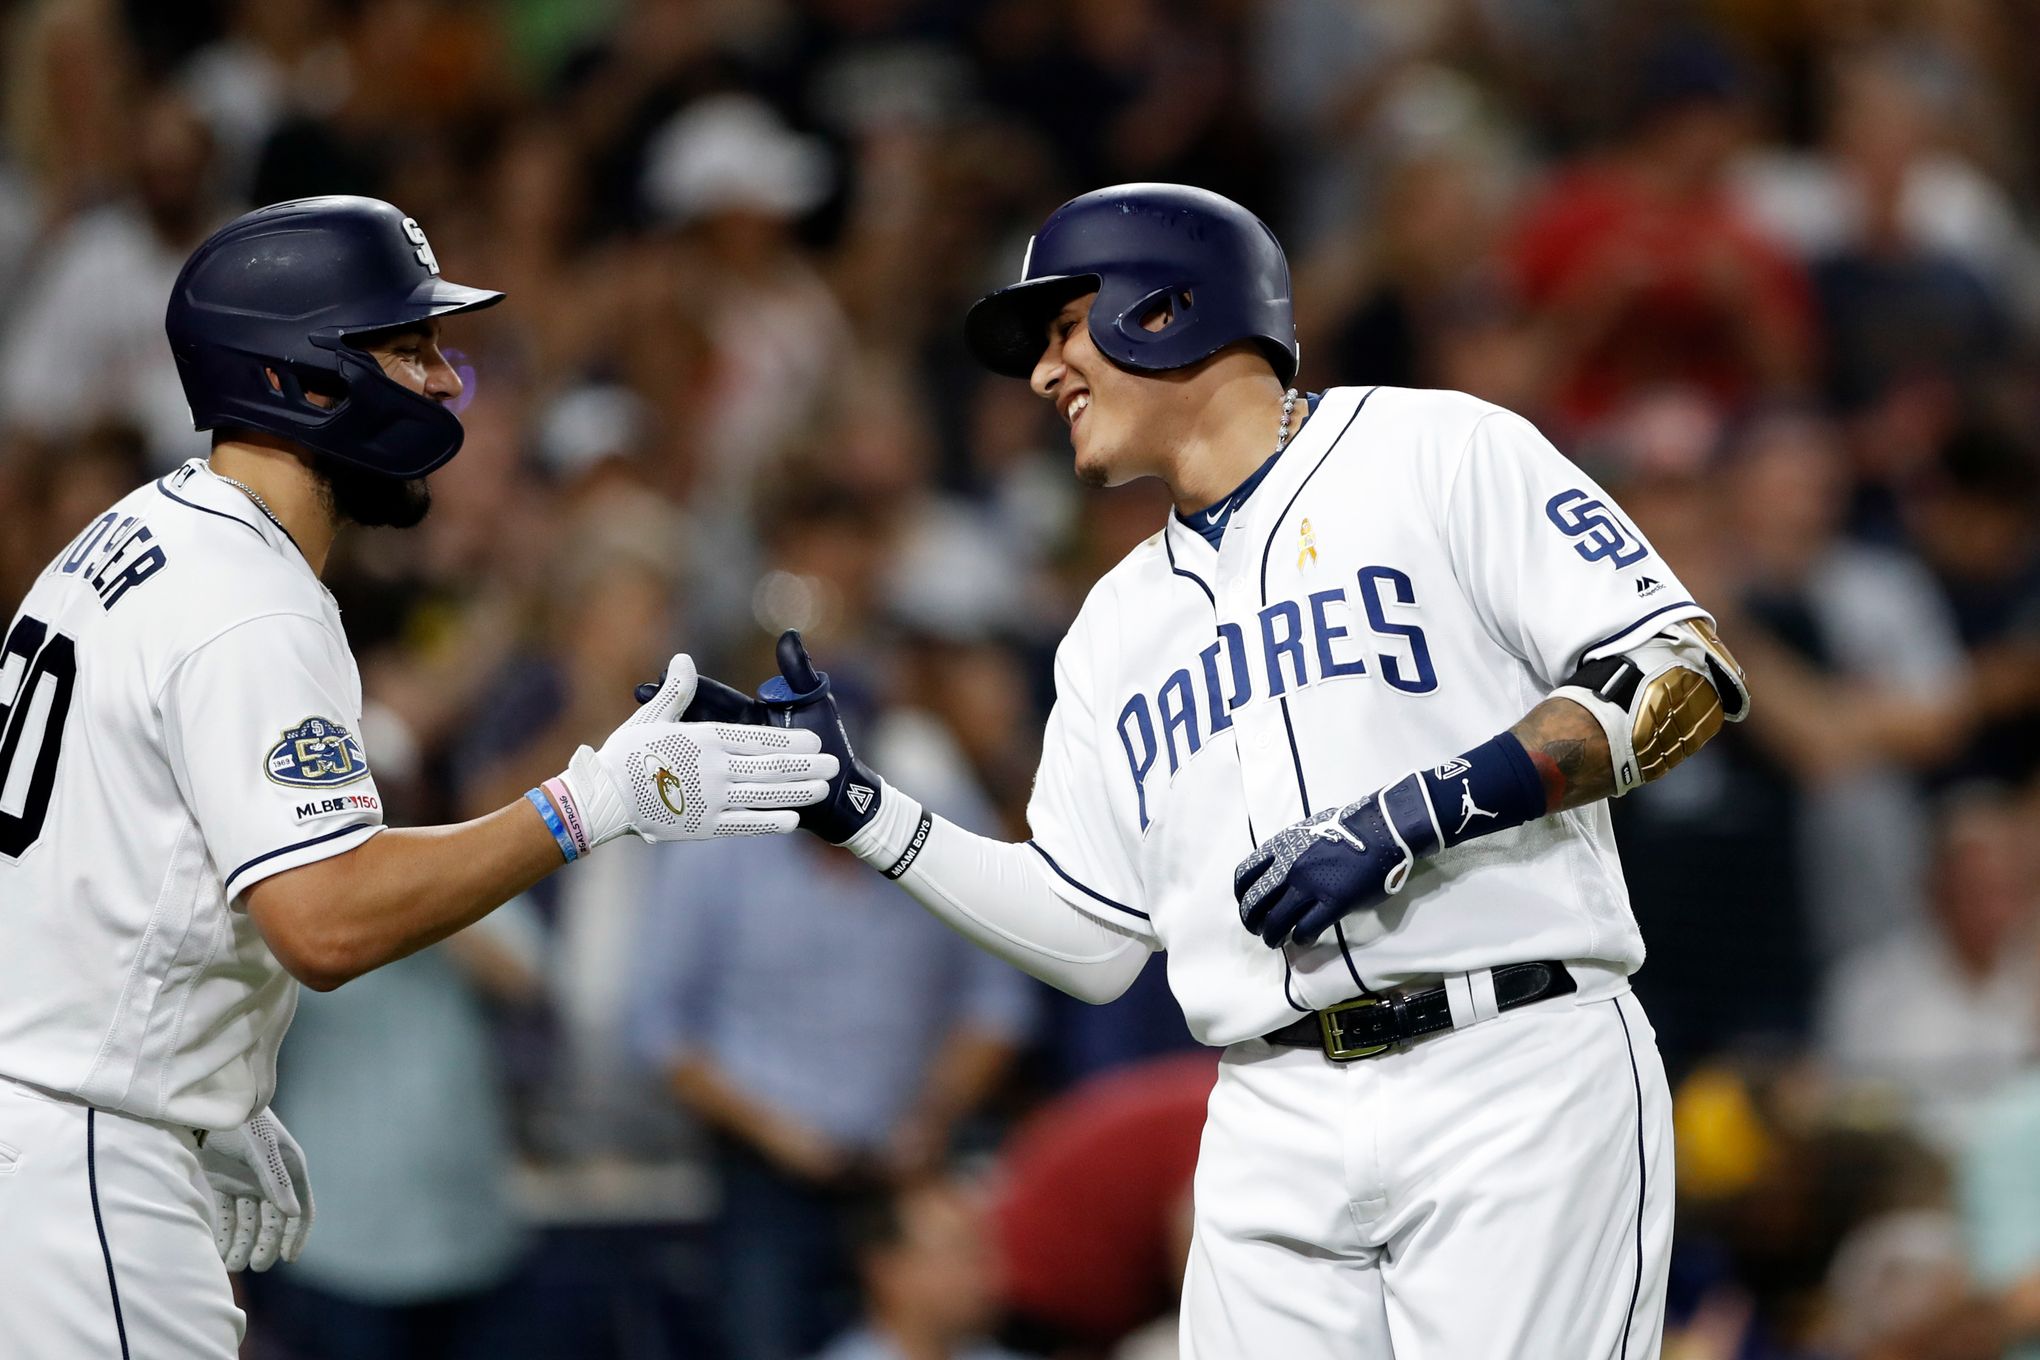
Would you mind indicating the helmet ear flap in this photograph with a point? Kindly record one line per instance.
(1154, 330)
(297, 385)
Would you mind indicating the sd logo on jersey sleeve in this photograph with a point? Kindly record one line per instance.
(316, 754)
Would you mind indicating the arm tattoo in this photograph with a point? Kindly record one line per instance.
(1570, 751)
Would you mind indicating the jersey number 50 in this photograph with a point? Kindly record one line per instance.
(37, 671)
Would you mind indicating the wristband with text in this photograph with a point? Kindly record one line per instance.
(537, 798)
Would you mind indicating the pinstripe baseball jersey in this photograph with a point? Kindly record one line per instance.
(1414, 573)
(179, 719)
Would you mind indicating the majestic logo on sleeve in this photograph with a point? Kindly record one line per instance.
(1600, 533)
(316, 754)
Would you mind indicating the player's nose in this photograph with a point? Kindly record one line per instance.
(1049, 371)
(442, 379)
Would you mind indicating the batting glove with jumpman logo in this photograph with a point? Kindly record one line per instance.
(1307, 876)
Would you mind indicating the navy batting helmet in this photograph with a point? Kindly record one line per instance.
(285, 288)
(1219, 268)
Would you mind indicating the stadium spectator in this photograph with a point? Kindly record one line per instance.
(1967, 980)
(829, 1033)
(928, 1276)
(1891, 170)
(1643, 264)
(729, 181)
(1975, 518)
(84, 343)
(1856, 720)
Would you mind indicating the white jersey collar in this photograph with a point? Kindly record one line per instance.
(195, 484)
(1189, 552)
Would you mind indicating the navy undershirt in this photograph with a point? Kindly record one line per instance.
(1210, 522)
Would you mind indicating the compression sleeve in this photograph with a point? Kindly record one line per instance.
(999, 896)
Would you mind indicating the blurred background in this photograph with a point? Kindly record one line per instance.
(1767, 268)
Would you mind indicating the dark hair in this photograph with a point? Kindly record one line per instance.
(1689, 69)
(1990, 463)
(870, 1220)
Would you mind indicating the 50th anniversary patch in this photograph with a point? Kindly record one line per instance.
(316, 754)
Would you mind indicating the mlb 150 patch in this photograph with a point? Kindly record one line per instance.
(316, 754)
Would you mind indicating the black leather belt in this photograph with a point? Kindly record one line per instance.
(1370, 1025)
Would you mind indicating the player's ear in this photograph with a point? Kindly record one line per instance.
(1158, 316)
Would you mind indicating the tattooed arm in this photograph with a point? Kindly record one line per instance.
(1570, 751)
(1560, 755)
(1302, 879)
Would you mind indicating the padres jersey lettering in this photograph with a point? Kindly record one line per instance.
(179, 719)
(1417, 571)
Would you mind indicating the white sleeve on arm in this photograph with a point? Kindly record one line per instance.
(1003, 898)
(260, 726)
(1556, 571)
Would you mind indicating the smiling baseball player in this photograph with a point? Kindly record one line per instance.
(189, 826)
(1339, 739)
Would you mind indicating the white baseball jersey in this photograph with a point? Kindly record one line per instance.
(179, 712)
(1417, 571)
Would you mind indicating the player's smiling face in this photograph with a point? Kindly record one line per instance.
(1117, 420)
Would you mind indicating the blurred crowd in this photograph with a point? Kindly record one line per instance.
(1768, 268)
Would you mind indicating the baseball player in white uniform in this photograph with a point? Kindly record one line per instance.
(1338, 738)
(189, 824)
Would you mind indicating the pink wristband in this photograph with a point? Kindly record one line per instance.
(556, 788)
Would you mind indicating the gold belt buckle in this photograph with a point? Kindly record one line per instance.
(1336, 1047)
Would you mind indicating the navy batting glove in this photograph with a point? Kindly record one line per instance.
(1307, 876)
(799, 697)
(713, 702)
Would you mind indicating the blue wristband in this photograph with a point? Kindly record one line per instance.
(537, 798)
(1488, 789)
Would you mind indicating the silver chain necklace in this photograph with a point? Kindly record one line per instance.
(263, 505)
(1288, 409)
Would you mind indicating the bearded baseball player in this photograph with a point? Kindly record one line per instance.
(189, 825)
(1339, 738)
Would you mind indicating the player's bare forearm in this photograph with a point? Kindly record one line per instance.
(399, 891)
(1570, 752)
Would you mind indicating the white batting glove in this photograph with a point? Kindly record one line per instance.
(668, 780)
(262, 1195)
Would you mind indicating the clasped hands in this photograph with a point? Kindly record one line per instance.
(1293, 888)
(798, 708)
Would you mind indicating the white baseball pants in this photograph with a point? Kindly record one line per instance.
(1497, 1192)
(106, 1242)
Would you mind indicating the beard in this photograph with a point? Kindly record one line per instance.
(359, 496)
